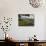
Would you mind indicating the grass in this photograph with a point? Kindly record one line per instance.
(26, 22)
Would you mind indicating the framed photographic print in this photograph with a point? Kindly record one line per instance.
(25, 19)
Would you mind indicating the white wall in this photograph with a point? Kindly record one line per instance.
(12, 8)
